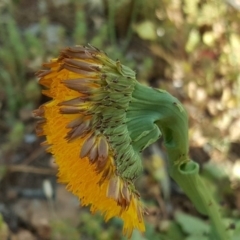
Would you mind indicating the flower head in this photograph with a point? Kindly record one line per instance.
(91, 130)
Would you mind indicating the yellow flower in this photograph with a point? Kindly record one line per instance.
(86, 131)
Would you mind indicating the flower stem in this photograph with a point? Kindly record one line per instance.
(171, 118)
(188, 178)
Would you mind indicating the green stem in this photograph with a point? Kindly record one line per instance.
(188, 178)
(135, 8)
(171, 118)
(111, 21)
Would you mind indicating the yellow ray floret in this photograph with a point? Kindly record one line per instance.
(75, 136)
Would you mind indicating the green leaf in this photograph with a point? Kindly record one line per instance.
(194, 237)
(146, 30)
(174, 232)
(138, 236)
(213, 171)
(191, 224)
(193, 40)
(236, 231)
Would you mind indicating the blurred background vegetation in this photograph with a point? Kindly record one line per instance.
(190, 48)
